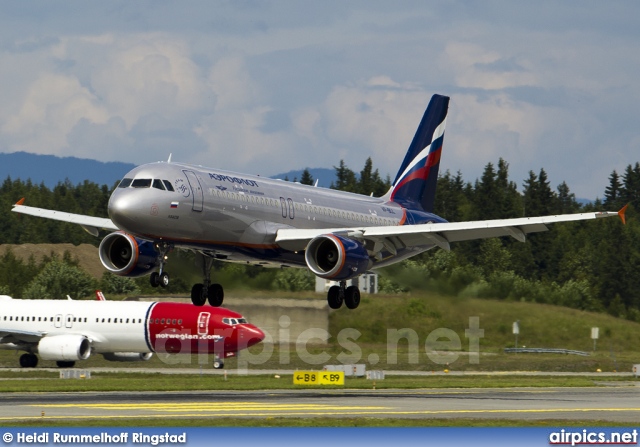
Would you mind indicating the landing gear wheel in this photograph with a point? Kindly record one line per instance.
(198, 297)
(164, 279)
(215, 295)
(334, 297)
(218, 364)
(28, 360)
(352, 297)
(154, 279)
(65, 364)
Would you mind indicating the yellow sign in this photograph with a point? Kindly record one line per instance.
(318, 378)
(306, 378)
(332, 378)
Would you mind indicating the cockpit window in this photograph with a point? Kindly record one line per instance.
(158, 184)
(234, 321)
(168, 184)
(125, 183)
(141, 183)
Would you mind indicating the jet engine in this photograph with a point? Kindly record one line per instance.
(124, 255)
(337, 258)
(64, 348)
(127, 356)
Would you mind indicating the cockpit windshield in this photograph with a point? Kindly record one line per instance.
(125, 183)
(234, 321)
(146, 183)
(141, 183)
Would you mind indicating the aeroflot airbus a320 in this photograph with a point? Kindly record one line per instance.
(243, 218)
(124, 331)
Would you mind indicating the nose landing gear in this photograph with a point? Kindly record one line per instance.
(161, 278)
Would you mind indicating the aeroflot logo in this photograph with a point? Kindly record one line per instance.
(226, 178)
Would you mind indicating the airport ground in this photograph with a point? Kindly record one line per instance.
(195, 397)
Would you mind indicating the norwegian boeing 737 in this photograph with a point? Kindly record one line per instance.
(67, 331)
(226, 216)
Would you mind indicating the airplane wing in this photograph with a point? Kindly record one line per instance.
(89, 223)
(16, 336)
(439, 234)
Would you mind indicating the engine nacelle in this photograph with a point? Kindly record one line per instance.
(64, 347)
(124, 255)
(337, 258)
(127, 356)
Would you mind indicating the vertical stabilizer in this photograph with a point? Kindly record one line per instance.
(415, 184)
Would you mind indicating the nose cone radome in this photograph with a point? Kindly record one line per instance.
(122, 210)
(252, 335)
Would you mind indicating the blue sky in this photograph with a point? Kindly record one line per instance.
(269, 86)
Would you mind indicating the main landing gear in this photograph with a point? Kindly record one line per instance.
(29, 360)
(201, 293)
(343, 294)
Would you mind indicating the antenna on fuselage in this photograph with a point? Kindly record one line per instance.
(169, 160)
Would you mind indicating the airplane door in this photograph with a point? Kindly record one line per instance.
(203, 323)
(292, 213)
(58, 321)
(68, 321)
(196, 189)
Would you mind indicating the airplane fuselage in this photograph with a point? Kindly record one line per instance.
(237, 215)
(125, 326)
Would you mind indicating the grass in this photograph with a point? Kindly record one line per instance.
(123, 382)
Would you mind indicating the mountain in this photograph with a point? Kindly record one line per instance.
(51, 170)
(325, 176)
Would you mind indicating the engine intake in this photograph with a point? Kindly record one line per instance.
(124, 255)
(64, 347)
(335, 257)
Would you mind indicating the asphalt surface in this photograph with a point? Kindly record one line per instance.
(615, 404)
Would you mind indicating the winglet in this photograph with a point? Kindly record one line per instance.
(621, 213)
(20, 202)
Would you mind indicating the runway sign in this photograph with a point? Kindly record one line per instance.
(318, 378)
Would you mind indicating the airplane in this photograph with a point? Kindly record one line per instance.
(69, 330)
(226, 216)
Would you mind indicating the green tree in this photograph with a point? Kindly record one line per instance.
(306, 178)
(57, 280)
(345, 178)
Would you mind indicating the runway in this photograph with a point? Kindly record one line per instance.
(615, 404)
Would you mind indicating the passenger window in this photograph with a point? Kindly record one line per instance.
(162, 321)
(125, 183)
(141, 183)
(157, 184)
(168, 185)
(179, 321)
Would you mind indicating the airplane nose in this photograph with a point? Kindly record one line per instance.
(252, 335)
(121, 209)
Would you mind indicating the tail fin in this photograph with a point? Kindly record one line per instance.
(415, 184)
(100, 296)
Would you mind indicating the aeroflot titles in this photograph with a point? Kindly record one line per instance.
(226, 178)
